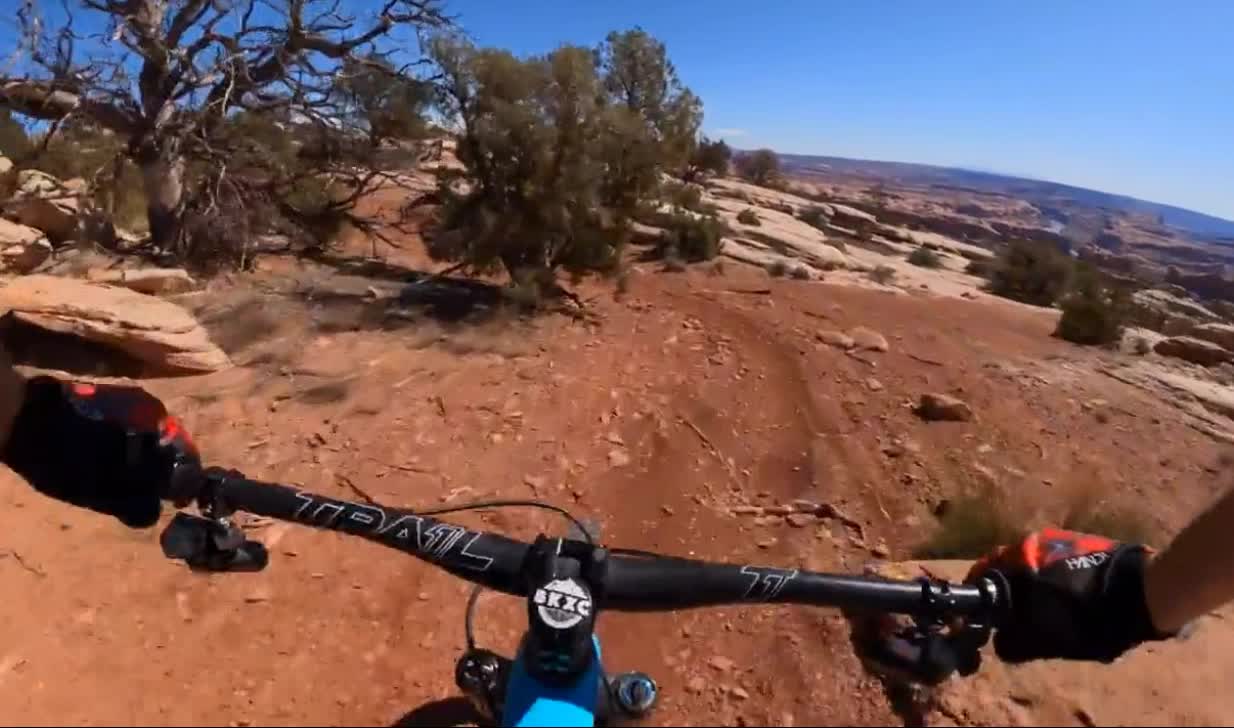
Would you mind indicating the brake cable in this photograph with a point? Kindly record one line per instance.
(482, 505)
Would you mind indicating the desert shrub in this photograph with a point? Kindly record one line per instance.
(748, 217)
(762, 166)
(813, 216)
(1093, 314)
(710, 157)
(528, 288)
(686, 197)
(1030, 272)
(14, 142)
(970, 528)
(801, 273)
(690, 237)
(562, 151)
(925, 258)
(981, 267)
(883, 274)
(220, 236)
(777, 269)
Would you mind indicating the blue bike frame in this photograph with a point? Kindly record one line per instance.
(530, 702)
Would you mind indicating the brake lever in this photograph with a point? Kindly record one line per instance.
(211, 544)
(935, 645)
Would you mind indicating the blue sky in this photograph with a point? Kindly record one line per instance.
(1122, 96)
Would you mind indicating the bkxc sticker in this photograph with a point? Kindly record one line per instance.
(563, 603)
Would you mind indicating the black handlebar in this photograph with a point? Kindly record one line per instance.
(660, 583)
(624, 582)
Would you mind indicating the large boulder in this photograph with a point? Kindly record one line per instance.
(22, 248)
(1220, 334)
(1196, 351)
(158, 333)
(41, 201)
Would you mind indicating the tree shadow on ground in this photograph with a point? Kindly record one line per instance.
(444, 298)
(366, 267)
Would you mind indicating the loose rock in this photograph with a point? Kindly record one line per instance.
(836, 338)
(806, 506)
(868, 339)
(721, 664)
(22, 248)
(1196, 351)
(45, 203)
(874, 385)
(146, 280)
(799, 520)
(935, 407)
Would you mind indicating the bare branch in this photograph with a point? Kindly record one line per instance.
(43, 100)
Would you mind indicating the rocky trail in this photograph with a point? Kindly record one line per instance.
(672, 419)
(719, 413)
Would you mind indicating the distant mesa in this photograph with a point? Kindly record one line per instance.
(1039, 192)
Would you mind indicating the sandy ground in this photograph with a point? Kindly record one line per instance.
(96, 627)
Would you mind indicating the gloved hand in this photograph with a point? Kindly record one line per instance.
(1073, 596)
(108, 448)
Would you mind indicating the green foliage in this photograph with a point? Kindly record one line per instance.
(637, 75)
(882, 275)
(748, 217)
(81, 150)
(390, 105)
(710, 157)
(1030, 272)
(686, 196)
(690, 238)
(777, 269)
(14, 142)
(536, 142)
(762, 166)
(1093, 313)
(814, 217)
(924, 257)
(981, 267)
(562, 151)
(285, 173)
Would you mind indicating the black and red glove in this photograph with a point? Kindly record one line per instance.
(112, 449)
(1073, 596)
